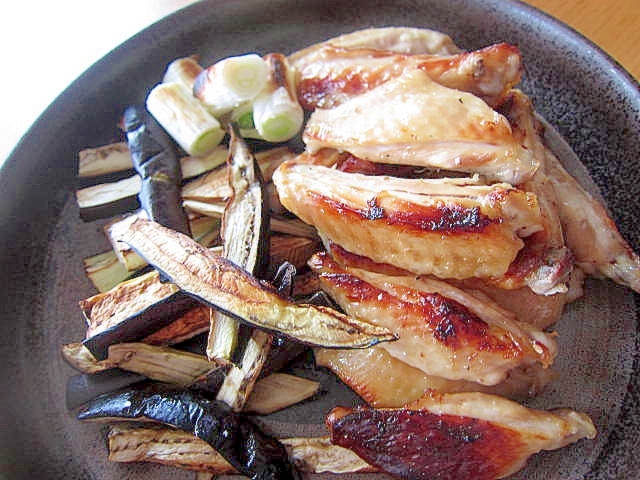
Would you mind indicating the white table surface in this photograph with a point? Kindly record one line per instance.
(45, 45)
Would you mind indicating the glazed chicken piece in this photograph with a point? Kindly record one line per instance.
(541, 311)
(384, 381)
(331, 75)
(451, 228)
(413, 120)
(591, 234)
(455, 436)
(392, 39)
(441, 330)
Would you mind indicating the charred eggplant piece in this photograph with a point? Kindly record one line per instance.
(157, 164)
(85, 387)
(245, 233)
(250, 450)
(129, 443)
(227, 287)
(131, 311)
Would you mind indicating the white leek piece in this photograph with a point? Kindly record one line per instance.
(230, 82)
(183, 70)
(243, 117)
(277, 115)
(185, 118)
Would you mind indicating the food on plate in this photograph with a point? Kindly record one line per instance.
(244, 232)
(331, 75)
(235, 437)
(417, 235)
(455, 435)
(451, 228)
(384, 381)
(441, 330)
(157, 164)
(225, 286)
(420, 122)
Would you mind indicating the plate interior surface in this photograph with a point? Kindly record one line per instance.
(585, 97)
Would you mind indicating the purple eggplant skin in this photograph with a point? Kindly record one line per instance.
(141, 324)
(156, 161)
(240, 441)
(83, 387)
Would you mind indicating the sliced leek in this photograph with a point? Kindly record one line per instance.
(230, 82)
(277, 115)
(183, 70)
(185, 118)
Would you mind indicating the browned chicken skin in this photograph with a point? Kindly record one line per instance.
(450, 228)
(455, 436)
(441, 330)
(417, 121)
(331, 75)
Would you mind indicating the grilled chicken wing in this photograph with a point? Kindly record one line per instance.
(522, 304)
(454, 436)
(412, 120)
(392, 39)
(384, 381)
(591, 234)
(452, 228)
(441, 330)
(330, 75)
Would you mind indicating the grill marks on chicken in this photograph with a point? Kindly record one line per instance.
(330, 75)
(452, 228)
(416, 121)
(457, 339)
(453, 436)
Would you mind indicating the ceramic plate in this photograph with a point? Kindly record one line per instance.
(584, 95)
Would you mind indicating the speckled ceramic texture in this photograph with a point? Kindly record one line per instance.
(585, 96)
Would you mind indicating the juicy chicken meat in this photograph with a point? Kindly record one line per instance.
(330, 75)
(454, 436)
(590, 233)
(441, 330)
(393, 39)
(523, 304)
(451, 228)
(413, 120)
(384, 381)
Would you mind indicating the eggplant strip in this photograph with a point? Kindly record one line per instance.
(134, 309)
(158, 167)
(225, 286)
(177, 448)
(279, 390)
(245, 446)
(162, 364)
(245, 235)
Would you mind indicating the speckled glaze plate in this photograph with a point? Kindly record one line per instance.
(589, 100)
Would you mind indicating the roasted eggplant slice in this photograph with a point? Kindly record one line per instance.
(225, 286)
(157, 164)
(250, 450)
(128, 443)
(245, 234)
(454, 436)
(131, 311)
